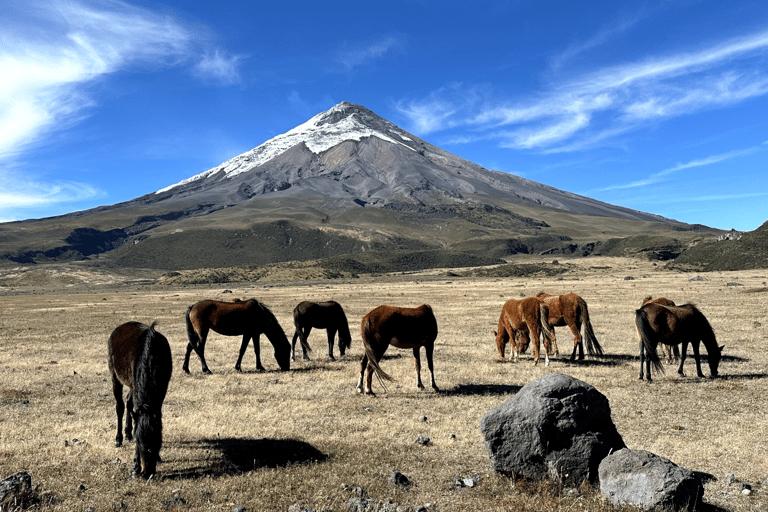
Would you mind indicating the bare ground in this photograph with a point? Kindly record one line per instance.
(269, 440)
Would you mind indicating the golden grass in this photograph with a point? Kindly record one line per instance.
(268, 440)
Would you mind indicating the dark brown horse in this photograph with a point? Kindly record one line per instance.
(674, 325)
(571, 310)
(327, 315)
(519, 322)
(402, 328)
(139, 358)
(249, 318)
(672, 353)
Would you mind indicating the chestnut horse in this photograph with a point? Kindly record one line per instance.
(249, 318)
(139, 358)
(522, 320)
(672, 353)
(672, 325)
(402, 328)
(327, 315)
(571, 310)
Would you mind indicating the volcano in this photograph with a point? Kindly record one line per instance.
(345, 182)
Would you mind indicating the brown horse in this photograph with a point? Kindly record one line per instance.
(249, 318)
(571, 310)
(402, 328)
(139, 358)
(327, 315)
(672, 325)
(672, 353)
(522, 320)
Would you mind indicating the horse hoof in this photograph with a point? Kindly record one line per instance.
(186, 370)
(118, 444)
(238, 369)
(207, 372)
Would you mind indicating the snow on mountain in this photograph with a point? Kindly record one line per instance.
(342, 122)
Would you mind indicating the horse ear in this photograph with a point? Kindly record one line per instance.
(722, 347)
(494, 332)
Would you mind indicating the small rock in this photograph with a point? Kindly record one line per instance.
(745, 487)
(400, 480)
(117, 461)
(238, 508)
(470, 482)
(358, 504)
(422, 440)
(730, 478)
(360, 492)
(176, 500)
(424, 419)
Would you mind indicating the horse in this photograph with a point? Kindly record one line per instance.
(524, 319)
(139, 358)
(672, 353)
(249, 317)
(672, 325)
(571, 310)
(327, 315)
(402, 328)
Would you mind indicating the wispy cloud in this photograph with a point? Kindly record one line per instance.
(661, 175)
(366, 53)
(596, 107)
(220, 67)
(51, 53)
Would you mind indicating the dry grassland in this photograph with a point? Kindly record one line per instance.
(269, 440)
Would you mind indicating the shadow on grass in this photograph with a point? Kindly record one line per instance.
(226, 456)
(482, 389)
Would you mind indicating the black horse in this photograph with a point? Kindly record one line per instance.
(327, 315)
(672, 325)
(249, 318)
(139, 358)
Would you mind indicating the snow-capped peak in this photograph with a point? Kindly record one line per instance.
(342, 122)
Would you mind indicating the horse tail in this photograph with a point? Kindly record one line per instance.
(588, 334)
(648, 339)
(194, 339)
(368, 333)
(546, 328)
(344, 335)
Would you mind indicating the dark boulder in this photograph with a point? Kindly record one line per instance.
(556, 426)
(643, 479)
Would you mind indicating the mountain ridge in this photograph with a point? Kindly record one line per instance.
(345, 182)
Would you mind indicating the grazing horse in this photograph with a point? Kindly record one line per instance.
(571, 310)
(249, 317)
(327, 315)
(672, 353)
(524, 319)
(402, 328)
(672, 325)
(139, 358)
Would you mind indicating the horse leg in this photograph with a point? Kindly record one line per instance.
(129, 417)
(200, 351)
(577, 342)
(695, 346)
(682, 358)
(257, 351)
(331, 336)
(117, 390)
(417, 359)
(642, 361)
(304, 333)
(429, 349)
(363, 366)
(243, 346)
(293, 344)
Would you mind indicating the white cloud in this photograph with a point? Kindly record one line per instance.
(592, 109)
(220, 67)
(52, 52)
(352, 58)
(659, 176)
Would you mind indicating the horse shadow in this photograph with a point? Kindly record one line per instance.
(231, 455)
(482, 389)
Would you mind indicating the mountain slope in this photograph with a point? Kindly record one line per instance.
(344, 182)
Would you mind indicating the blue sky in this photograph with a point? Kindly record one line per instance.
(657, 106)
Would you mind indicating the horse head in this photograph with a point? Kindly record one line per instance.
(714, 360)
(149, 439)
